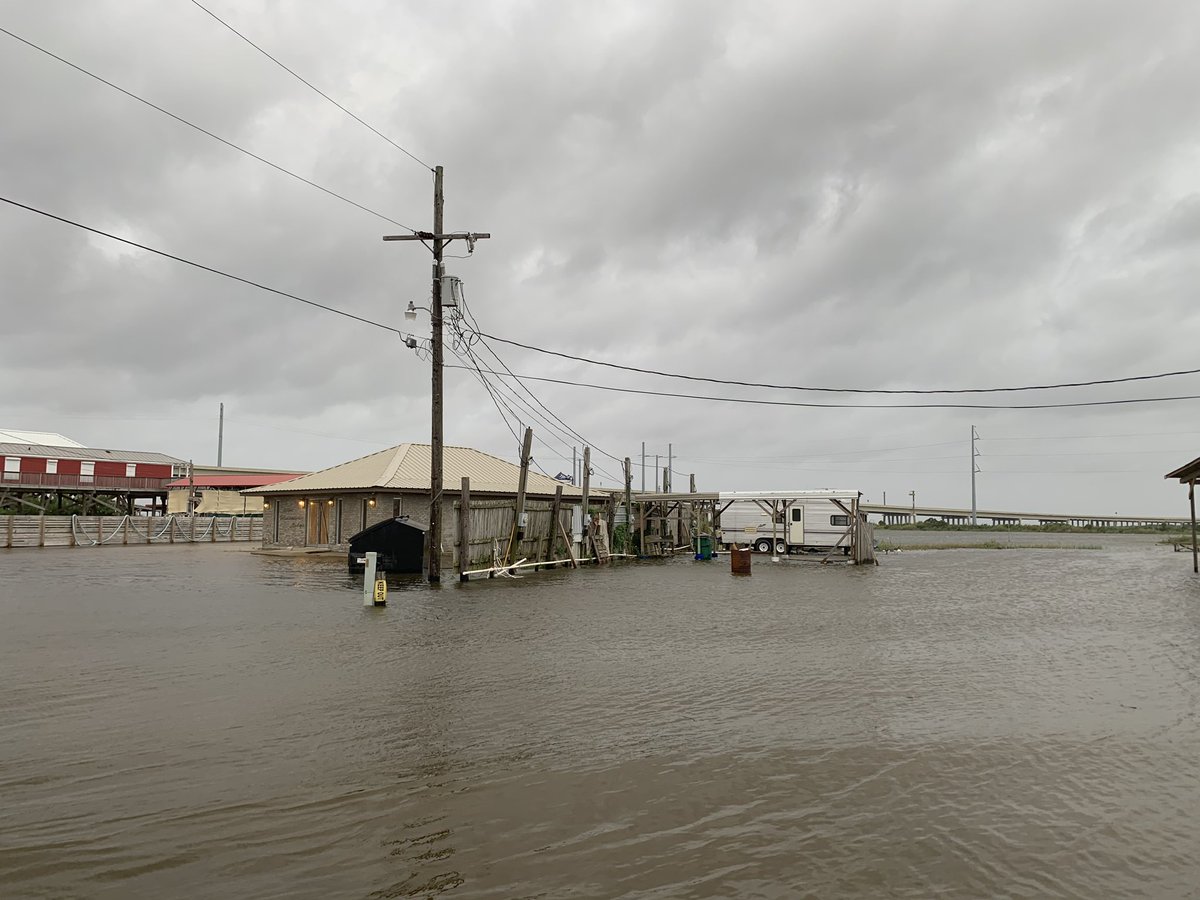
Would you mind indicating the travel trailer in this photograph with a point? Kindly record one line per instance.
(783, 522)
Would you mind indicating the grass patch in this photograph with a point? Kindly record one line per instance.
(889, 547)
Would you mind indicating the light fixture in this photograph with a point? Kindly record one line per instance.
(329, 503)
(300, 503)
(411, 312)
(266, 504)
(371, 502)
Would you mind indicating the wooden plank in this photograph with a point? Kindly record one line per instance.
(464, 528)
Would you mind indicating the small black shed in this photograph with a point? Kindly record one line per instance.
(400, 543)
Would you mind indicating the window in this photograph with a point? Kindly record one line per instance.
(52, 467)
(842, 521)
(12, 468)
(87, 471)
(395, 507)
(797, 513)
(130, 469)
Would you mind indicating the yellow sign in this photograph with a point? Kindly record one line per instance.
(381, 591)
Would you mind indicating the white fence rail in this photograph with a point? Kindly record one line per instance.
(96, 531)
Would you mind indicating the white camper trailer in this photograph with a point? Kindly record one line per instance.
(783, 522)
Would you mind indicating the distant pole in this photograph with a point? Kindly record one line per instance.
(643, 467)
(974, 469)
(657, 475)
(913, 494)
(191, 504)
(220, 434)
(574, 466)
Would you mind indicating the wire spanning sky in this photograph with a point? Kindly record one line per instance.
(885, 196)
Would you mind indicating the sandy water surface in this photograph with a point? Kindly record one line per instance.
(202, 722)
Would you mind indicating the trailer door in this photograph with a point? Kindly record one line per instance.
(795, 525)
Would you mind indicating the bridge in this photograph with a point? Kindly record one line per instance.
(894, 515)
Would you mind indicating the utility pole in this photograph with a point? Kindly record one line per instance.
(643, 467)
(974, 469)
(220, 434)
(913, 494)
(439, 239)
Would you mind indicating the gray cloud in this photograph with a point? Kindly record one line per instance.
(885, 195)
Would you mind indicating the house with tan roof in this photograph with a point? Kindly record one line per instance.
(328, 507)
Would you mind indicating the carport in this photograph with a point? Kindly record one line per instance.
(1188, 475)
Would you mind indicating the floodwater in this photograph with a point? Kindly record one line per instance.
(203, 722)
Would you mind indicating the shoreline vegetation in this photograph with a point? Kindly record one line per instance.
(1058, 528)
(890, 547)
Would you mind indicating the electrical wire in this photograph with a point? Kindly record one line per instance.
(309, 84)
(205, 131)
(470, 317)
(196, 265)
(832, 390)
(509, 394)
(472, 337)
(807, 405)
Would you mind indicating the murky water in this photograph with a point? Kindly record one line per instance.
(201, 722)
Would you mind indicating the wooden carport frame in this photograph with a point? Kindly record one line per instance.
(1188, 475)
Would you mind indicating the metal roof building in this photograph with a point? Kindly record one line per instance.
(326, 508)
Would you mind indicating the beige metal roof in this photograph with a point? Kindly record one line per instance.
(42, 451)
(406, 468)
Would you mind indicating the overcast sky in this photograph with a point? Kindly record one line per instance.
(860, 195)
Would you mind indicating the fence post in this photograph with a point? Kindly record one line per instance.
(9, 543)
(464, 528)
(42, 530)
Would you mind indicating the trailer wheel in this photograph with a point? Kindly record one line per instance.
(762, 546)
(780, 548)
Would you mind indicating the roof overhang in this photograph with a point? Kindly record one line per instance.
(1190, 472)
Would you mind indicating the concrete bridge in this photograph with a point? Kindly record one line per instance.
(895, 515)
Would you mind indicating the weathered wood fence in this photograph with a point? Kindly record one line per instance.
(107, 531)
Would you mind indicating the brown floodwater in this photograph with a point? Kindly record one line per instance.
(203, 722)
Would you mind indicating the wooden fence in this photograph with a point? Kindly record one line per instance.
(106, 531)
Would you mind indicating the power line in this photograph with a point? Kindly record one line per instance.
(309, 84)
(808, 405)
(196, 265)
(205, 131)
(831, 390)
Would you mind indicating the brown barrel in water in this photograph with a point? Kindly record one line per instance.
(739, 561)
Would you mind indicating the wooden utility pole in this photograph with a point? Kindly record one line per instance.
(436, 241)
(518, 529)
(586, 478)
(555, 524)
(628, 506)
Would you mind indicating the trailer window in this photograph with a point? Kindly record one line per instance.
(797, 513)
(843, 521)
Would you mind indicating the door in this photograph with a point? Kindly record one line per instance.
(317, 533)
(795, 525)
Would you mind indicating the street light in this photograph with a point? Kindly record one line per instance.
(411, 312)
